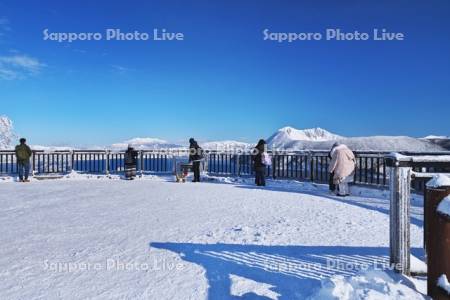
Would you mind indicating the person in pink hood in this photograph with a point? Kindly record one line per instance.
(343, 165)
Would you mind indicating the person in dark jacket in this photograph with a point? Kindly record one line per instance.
(195, 157)
(130, 160)
(23, 154)
(258, 163)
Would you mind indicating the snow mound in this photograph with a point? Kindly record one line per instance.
(444, 206)
(7, 135)
(241, 286)
(145, 144)
(418, 266)
(368, 285)
(226, 145)
(439, 181)
(444, 284)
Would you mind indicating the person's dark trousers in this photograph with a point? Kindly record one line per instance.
(331, 184)
(24, 169)
(260, 178)
(196, 169)
(130, 171)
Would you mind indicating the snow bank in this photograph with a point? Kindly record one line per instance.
(418, 266)
(444, 284)
(444, 206)
(439, 181)
(241, 286)
(372, 284)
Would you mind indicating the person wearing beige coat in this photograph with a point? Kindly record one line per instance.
(343, 163)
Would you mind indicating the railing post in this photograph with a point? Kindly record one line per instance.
(72, 158)
(174, 164)
(205, 163)
(399, 221)
(141, 163)
(238, 165)
(274, 166)
(311, 166)
(107, 166)
(69, 169)
(33, 165)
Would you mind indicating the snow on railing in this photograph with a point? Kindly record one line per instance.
(439, 180)
(444, 207)
(403, 170)
(444, 284)
(444, 158)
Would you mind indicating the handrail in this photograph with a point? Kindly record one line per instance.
(243, 151)
(311, 165)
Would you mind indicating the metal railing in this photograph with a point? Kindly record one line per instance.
(301, 165)
(86, 161)
(297, 165)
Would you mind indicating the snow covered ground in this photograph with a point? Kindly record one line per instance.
(97, 238)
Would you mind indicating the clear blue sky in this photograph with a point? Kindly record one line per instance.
(223, 81)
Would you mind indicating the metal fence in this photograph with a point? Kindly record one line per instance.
(86, 161)
(299, 165)
(302, 165)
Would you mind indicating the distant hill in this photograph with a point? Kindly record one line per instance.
(145, 144)
(226, 145)
(295, 139)
(285, 138)
(442, 141)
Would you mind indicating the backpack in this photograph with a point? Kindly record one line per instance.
(22, 153)
(265, 158)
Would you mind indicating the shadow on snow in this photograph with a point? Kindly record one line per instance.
(294, 272)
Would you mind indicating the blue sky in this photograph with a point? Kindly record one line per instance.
(223, 81)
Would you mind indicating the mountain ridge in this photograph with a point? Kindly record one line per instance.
(287, 137)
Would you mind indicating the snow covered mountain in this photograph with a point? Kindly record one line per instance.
(226, 145)
(371, 143)
(145, 144)
(7, 136)
(290, 138)
(285, 138)
(320, 139)
(436, 137)
(287, 135)
(443, 141)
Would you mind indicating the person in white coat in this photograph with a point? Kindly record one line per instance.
(343, 164)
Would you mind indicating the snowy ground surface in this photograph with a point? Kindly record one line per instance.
(97, 238)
